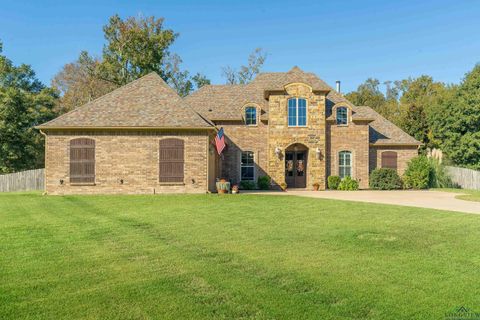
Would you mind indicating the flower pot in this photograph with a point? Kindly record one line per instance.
(315, 188)
(221, 191)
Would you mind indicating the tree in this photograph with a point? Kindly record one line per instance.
(135, 47)
(456, 126)
(181, 80)
(24, 103)
(368, 94)
(247, 72)
(415, 124)
(78, 83)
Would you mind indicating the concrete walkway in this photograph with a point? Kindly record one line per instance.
(424, 199)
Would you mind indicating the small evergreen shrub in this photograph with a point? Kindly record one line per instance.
(333, 182)
(247, 185)
(263, 182)
(385, 179)
(419, 173)
(348, 184)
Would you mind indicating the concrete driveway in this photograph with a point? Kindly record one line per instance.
(424, 199)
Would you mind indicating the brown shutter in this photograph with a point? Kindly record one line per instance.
(82, 160)
(171, 160)
(389, 160)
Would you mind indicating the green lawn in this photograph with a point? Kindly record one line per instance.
(470, 195)
(227, 257)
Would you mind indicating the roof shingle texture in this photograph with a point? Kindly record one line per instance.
(145, 102)
(225, 102)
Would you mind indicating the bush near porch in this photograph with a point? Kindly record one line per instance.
(248, 256)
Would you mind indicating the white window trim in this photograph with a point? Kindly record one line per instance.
(296, 118)
(240, 165)
(352, 175)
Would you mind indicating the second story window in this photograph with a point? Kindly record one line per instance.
(251, 116)
(342, 115)
(297, 112)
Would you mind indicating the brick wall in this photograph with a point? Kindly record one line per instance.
(353, 137)
(404, 154)
(128, 155)
(240, 137)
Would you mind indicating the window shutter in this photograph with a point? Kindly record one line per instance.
(82, 160)
(389, 160)
(171, 160)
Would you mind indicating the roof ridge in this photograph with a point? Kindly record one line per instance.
(79, 108)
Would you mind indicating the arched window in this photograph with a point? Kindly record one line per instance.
(251, 116)
(171, 160)
(389, 160)
(297, 112)
(342, 115)
(344, 164)
(82, 160)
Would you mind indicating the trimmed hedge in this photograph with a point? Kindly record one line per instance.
(333, 182)
(348, 184)
(385, 179)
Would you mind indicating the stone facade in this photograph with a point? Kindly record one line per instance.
(128, 155)
(322, 137)
(312, 136)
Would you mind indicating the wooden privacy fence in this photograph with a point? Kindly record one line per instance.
(23, 181)
(465, 178)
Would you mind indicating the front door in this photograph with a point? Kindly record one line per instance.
(296, 169)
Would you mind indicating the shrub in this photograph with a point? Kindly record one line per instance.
(348, 184)
(247, 185)
(263, 182)
(333, 182)
(419, 173)
(385, 179)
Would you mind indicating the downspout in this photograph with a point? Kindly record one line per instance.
(45, 162)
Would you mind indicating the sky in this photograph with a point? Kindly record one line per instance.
(338, 40)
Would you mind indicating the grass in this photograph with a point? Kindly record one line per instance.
(470, 195)
(227, 257)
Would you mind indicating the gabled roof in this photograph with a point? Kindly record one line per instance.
(147, 102)
(225, 102)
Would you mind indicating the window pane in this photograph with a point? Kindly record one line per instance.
(341, 115)
(292, 112)
(247, 173)
(344, 164)
(302, 112)
(251, 116)
(247, 166)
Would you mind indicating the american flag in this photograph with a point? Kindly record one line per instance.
(220, 141)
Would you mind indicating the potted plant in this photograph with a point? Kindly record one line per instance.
(283, 185)
(223, 186)
(235, 189)
(316, 186)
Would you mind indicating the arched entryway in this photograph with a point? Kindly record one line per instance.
(296, 166)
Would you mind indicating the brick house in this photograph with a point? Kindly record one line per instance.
(291, 126)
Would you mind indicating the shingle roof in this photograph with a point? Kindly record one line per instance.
(224, 102)
(383, 131)
(145, 102)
